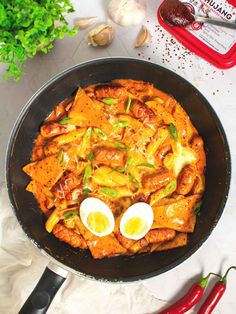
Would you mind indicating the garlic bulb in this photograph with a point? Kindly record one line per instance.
(101, 35)
(84, 22)
(127, 12)
(143, 37)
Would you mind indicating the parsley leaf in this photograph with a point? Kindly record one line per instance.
(29, 26)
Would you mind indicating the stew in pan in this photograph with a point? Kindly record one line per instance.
(118, 169)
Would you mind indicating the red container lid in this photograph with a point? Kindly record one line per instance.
(233, 2)
(215, 44)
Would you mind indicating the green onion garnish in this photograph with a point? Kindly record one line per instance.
(122, 147)
(121, 124)
(100, 133)
(60, 157)
(173, 132)
(170, 188)
(109, 101)
(110, 192)
(128, 104)
(197, 208)
(134, 181)
(119, 169)
(70, 214)
(87, 174)
(130, 162)
(86, 191)
(87, 134)
(91, 157)
(64, 120)
(146, 165)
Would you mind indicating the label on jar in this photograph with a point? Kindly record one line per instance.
(220, 39)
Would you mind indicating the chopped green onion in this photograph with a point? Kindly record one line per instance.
(197, 208)
(170, 188)
(87, 134)
(70, 214)
(130, 162)
(86, 191)
(60, 157)
(87, 174)
(173, 132)
(119, 169)
(109, 101)
(100, 133)
(128, 104)
(121, 124)
(134, 181)
(122, 147)
(64, 120)
(110, 192)
(91, 157)
(146, 165)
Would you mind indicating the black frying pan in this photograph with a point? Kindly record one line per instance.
(121, 268)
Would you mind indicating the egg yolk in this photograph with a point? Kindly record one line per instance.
(135, 226)
(98, 222)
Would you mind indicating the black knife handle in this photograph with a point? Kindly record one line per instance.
(41, 297)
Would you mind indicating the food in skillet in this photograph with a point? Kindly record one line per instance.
(118, 169)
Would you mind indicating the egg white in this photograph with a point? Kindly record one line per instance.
(142, 210)
(92, 204)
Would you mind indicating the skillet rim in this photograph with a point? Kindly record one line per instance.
(218, 124)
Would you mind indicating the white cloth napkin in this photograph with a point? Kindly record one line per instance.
(21, 265)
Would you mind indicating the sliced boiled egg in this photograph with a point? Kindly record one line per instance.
(136, 221)
(97, 216)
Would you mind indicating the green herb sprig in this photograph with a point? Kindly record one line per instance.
(29, 26)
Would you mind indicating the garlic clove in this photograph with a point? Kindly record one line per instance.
(127, 12)
(101, 35)
(85, 22)
(144, 37)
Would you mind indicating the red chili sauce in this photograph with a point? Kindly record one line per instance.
(175, 13)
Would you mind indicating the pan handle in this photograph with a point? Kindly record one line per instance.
(42, 295)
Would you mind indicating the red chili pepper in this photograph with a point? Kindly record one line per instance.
(215, 295)
(191, 298)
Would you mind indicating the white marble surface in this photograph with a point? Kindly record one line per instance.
(21, 266)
